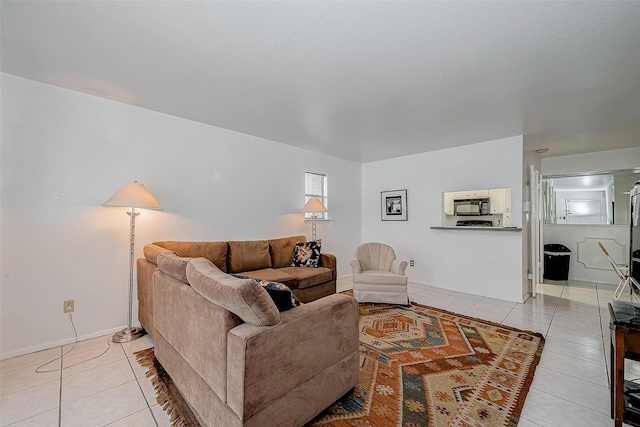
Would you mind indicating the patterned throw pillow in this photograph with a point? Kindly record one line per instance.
(307, 254)
(281, 295)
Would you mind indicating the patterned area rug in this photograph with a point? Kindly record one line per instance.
(419, 367)
(422, 366)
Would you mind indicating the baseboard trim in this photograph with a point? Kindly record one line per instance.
(53, 344)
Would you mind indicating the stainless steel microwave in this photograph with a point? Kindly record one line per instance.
(471, 207)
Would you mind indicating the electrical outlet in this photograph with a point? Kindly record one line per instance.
(411, 263)
(68, 306)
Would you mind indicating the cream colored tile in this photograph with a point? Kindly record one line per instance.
(534, 316)
(580, 295)
(137, 345)
(27, 377)
(441, 290)
(84, 361)
(576, 390)
(593, 340)
(579, 351)
(535, 308)
(579, 306)
(550, 290)
(423, 299)
(161, 416)
(45, 419)
(578, 368)
(415, 287)
(434, 296)
(138, 371)
(31, 359)
(491, 316)
(105, 407)
(543, 300)
(549, 411)
(92, 381)
(459, 301)
(139, 419)
(91, 344)
(468, 296)
(581, 284)
(523, 422)
(501, 302)
(594, 329)
(147, 389)
(29, 402)
(498, 309)
(578, 316)
(526, 325)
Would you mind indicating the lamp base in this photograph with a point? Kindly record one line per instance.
(128, 334)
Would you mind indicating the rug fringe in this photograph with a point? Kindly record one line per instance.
(166, 392)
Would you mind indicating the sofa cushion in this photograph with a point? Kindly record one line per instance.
(151, 252)
(174, 266)
(216, 252)
(307, 277)
(273, 275)
(282, 250)
(248, 256)
(307, 254)
(281, 295)
(246, 298)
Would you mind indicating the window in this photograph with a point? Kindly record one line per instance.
(315, 185)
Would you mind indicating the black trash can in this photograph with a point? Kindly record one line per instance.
(556, 261)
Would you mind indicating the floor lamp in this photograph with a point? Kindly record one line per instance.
(313, 206)
(132, 196)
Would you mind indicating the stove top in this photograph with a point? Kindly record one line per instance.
(474, 223)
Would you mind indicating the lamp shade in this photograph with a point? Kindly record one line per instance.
(313, 205)
(133, 195)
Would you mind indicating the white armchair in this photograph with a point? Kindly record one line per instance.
(378, 276)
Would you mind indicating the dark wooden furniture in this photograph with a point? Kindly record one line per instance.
(624, 325)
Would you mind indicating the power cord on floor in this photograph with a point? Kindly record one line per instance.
(38, 369)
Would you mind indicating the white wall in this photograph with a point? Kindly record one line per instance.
(65, 153)
(614, 237)
(482, 262)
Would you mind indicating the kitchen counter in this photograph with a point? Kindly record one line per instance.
(454, 227)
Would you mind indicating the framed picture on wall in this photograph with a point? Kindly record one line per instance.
(394, 205)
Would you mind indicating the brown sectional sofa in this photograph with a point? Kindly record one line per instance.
(233, 356)
(262, 259)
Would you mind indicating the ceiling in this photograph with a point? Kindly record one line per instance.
(363, 81)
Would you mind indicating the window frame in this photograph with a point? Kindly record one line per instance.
(322, 197)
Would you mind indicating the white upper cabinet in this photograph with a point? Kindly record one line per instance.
(448, 203)
(469, 194)
(500, 200)
(478, 193)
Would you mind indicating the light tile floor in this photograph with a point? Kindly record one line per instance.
(108, 390)
(570, 387)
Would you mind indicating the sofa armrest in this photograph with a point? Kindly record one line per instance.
(398, 267)
(355, 264)
(266, 362)
(329, 261)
